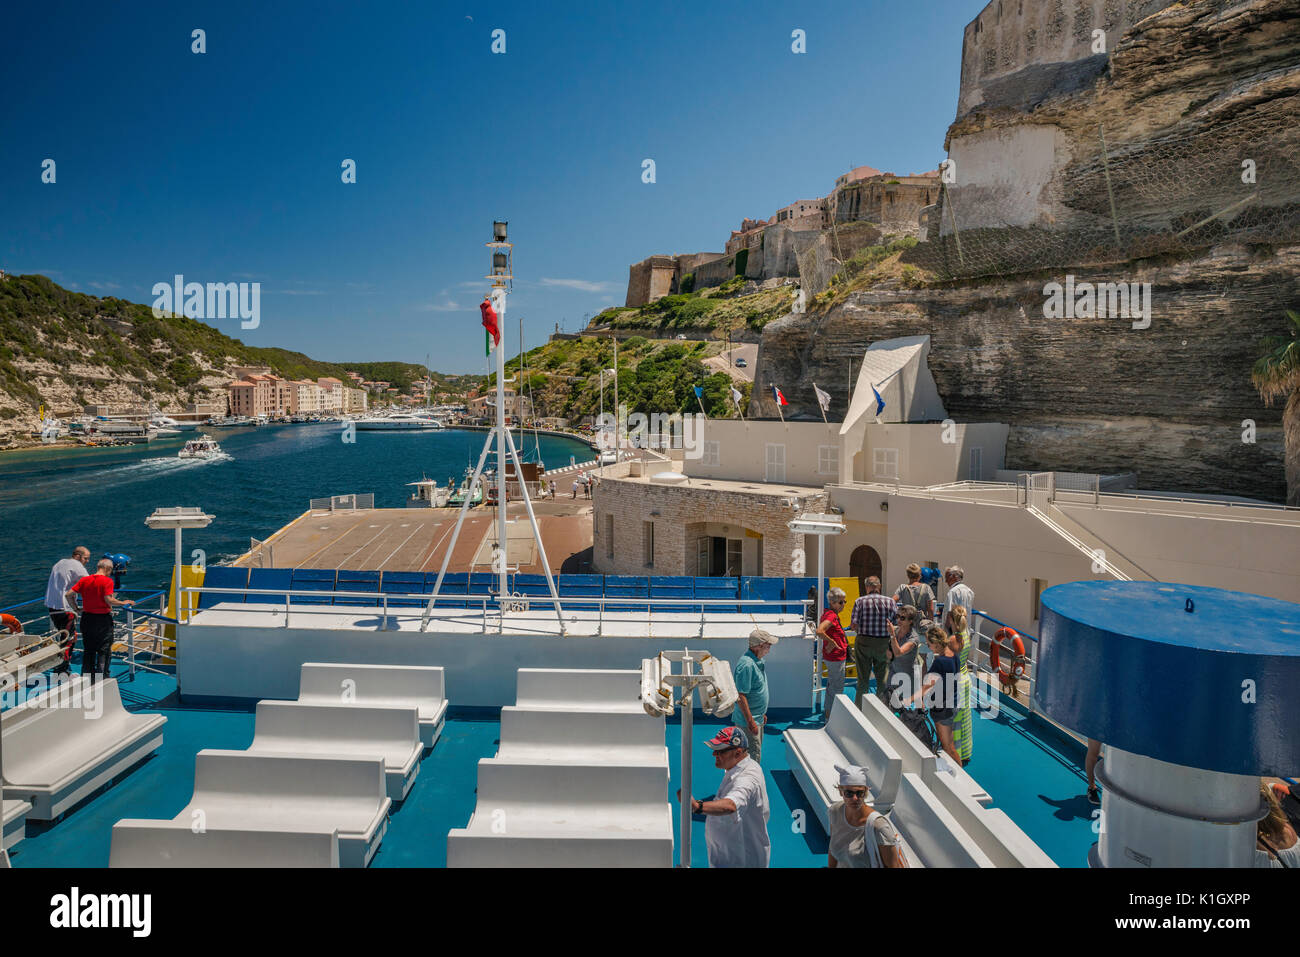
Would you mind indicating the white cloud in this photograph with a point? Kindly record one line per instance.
(448, 306)
(582, 285)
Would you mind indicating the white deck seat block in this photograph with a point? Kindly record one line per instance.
(917, 759)
(846, 739)
(304, 728)
(247, 789)
(534, 814)
(64, 744)
(990, 828)
(419, 687)
(582, 737)
(13, 815)
(174, 844)
(579, 689)
(935, 836)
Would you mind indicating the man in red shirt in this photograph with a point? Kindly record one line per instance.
(97, 604)
(835, 646)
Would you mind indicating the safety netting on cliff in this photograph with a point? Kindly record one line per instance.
(1124, 200)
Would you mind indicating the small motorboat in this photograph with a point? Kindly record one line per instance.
(427, 494)
(204, 447)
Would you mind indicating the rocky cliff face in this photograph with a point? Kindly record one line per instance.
(1088, 395)
(1187, 96)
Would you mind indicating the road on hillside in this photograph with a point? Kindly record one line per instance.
(748, 351)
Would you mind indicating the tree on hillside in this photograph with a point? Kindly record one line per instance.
(1277, 375)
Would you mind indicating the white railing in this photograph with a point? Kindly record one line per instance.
(491, 606)
(351, 501)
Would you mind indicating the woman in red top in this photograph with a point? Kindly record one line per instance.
(835, 646)
(97, 604)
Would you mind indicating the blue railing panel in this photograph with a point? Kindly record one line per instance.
(313, 579)
(223, 576)
(627, 586)
(272, 578)
(760, 589)
(672, 586)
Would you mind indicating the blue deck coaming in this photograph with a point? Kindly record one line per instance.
(1195, 676)
(1029, 770)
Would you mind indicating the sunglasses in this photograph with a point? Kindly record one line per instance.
(855, 795)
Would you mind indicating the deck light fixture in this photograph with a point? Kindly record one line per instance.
(498, 231)
(821, 525)
(178, 518)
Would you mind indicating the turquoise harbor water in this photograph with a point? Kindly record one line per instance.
(52, 500)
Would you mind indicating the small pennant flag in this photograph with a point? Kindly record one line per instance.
(490, 322)
(736, 396)
(779, 396)
(880, 402)
(823, 398)
(699, 392)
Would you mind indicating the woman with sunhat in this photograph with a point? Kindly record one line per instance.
(860, 835)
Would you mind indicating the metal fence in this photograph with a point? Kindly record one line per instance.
(349, 502)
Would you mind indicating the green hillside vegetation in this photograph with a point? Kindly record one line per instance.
(653, 376)
(166, 357)
(718, 308)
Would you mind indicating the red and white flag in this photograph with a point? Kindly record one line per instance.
(490, 322)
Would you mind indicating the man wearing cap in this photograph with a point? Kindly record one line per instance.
(735, 830)
(751, 683)
(860, 836)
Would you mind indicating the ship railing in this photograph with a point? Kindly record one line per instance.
(40, 646)
(492, 607)
(983, 628)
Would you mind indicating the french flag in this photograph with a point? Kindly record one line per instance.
(779, 396)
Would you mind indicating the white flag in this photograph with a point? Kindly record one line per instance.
(823, 398)
(735, 396)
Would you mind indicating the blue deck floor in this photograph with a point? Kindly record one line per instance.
(1033, 776)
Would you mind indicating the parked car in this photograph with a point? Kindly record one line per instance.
(741, 363)
(608, 458)
(681, 335)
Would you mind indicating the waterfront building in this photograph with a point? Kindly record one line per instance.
(913, 485)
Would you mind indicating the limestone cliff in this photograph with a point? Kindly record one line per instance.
(1127, 167)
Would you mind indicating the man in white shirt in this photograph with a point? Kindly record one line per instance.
(65, 573)
(959, 593)
(736, 830)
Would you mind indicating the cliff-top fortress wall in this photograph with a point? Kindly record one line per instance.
(1017, 52)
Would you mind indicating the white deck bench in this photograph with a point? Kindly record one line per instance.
(56, 752)
(917, 758)
(422, 688)
(579, 690)
(999, 837)
(565, 815)
(174, 844)
(582, 737)
(303, 728)
(13, 815)
(936, 838)
(247, 790)
(847, 739)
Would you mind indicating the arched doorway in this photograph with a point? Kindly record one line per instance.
(863, 563)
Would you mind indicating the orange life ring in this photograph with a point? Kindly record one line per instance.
(13, 624)
(1017, 663)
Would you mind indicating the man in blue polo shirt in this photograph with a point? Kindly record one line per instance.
(751, 683)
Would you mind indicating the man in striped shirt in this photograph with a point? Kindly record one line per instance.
(874, 617)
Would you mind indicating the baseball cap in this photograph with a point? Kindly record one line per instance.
(728, 738)
(760, 637)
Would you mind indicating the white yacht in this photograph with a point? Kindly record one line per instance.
(400, 421)
(165, 423)
(204, 447)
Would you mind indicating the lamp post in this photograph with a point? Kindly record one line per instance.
(178, 518)
(821, 525)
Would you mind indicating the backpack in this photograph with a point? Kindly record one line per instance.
(919, 725)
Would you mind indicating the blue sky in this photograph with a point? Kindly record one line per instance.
(226, 166)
